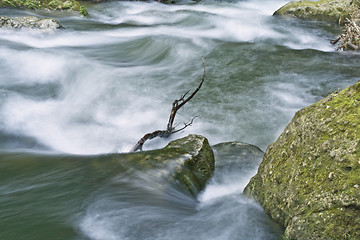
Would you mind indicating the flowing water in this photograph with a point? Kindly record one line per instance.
(100, 84)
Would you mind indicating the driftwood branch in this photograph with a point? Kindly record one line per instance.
(176, 105)
(350, 39)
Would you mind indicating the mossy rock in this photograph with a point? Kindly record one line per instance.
(309, 178)
(30, 22)
(68, 5)
(187, 163)
(322, 10)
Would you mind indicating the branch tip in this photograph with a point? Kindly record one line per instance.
(175, 107)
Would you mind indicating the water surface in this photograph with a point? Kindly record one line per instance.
(100, 84)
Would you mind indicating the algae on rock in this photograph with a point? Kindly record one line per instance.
(309, 178)
(72, 5)
(323, 10)
(187, 162)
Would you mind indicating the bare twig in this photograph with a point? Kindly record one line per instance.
(335, 41)
(185, 125)
(176, 105)
(350, 39)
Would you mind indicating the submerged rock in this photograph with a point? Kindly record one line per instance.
(167, 1)
(235, 163)
(309, 178)
(31, 22)
(323, 10)
(238, 153)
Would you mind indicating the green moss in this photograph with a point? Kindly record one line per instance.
(323, 10)
(319, 154)
(9, 3)
(32, 5)
(328, 224)
(188, 162)
(72, 5)
(83, 11)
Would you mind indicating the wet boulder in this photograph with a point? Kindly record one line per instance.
(30, 22)
(187, 163)
(322, 10)
(309, 178)
(184, 166)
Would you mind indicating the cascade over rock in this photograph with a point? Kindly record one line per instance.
(239, 154)
(187, 162)
(309, 178)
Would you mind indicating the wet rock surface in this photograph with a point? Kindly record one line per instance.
(30, 22)
(308, 180)
(187, 162)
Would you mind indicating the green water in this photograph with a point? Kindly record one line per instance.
(100, 84)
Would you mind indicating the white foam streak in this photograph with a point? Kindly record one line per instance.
(61, 39)
(36, 67)
(230, 184)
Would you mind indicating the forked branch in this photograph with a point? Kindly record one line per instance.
(176, 105)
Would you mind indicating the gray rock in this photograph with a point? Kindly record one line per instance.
(30, 22)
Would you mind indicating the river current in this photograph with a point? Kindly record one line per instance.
(97, 86)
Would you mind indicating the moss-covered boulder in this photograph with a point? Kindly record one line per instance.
(64, 5)
(30, 22)
(309, 178)
(187, 163)
(322, 10)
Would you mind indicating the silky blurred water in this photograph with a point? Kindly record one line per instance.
(101, 83)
